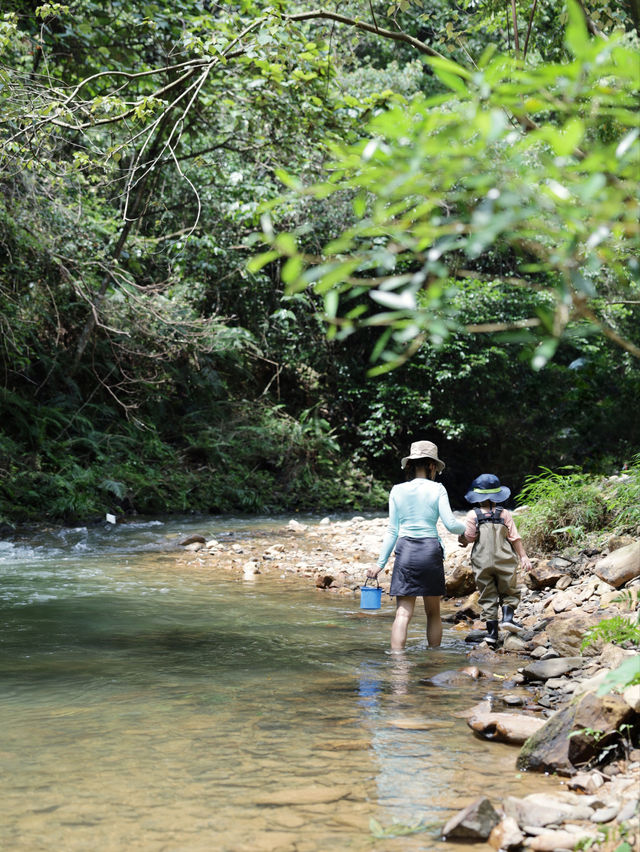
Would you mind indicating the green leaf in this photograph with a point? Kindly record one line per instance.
(256, 263)
(577, 36)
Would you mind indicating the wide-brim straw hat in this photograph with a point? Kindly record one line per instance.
(423, 450)
(487, 487)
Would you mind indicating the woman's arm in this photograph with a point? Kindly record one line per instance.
(390, 538)
(448, 518)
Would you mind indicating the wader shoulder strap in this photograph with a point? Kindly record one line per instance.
(494, 518)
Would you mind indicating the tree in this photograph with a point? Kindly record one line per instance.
(536, 163)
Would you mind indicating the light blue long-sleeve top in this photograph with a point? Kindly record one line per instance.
(414, 509)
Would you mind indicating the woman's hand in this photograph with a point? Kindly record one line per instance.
(462, 541)
(372, 573)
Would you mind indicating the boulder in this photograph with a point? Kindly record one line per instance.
(544, 575)
(563, 741)
(566, 631)
(469, 608)
(602, 714)
(514, 728)
(540, 809)
(461, 581)
(554, 667)
(475, 822)
(548, 749)
(193, 539)
(620, 566)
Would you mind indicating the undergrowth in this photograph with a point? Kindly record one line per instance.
(253, 459)
(565, 507)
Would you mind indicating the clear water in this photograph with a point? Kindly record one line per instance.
(146, 705)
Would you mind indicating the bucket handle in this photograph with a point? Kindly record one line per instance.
(377, 585)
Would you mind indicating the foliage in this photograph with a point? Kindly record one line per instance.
(562, 508)
(538, 163)
(145, 368)
(623, 497)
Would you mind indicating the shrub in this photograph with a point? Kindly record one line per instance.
(563, 508)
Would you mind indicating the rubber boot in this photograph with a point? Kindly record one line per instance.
(492, 632)
(508, 622)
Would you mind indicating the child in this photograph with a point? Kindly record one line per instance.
(496, 549)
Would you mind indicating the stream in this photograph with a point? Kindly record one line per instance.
(146, 705)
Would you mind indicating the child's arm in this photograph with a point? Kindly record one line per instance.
(470, 533)
(518, 546)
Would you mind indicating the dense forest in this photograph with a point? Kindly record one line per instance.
(250, 250)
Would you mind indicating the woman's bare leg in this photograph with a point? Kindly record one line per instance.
(404, 611)
(434, 622)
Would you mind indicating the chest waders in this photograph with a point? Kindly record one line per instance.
(495, 567)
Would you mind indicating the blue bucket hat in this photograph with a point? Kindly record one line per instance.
(487, 487)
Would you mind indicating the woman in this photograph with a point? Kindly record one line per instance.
(414, 509)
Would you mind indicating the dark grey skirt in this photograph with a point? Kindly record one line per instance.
(419, 568)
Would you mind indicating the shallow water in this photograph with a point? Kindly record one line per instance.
(147, 705)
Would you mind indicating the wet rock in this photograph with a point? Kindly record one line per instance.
(314, 794)
(251, 567)
(296, 526)
(548, 749)
(514, 728)
(483, 653)
(620, 566)
(563, 743)
(194, 547)
(457, 677)
(469, 608)
(475, 822)
(420, 724)
(475, 636)
(506, 835)
(193, 539)
(323, 581)
(564, 582)
(545, 669)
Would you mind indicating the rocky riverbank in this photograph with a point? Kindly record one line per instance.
(549, 706)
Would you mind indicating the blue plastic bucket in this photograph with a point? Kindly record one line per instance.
(370, 597)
